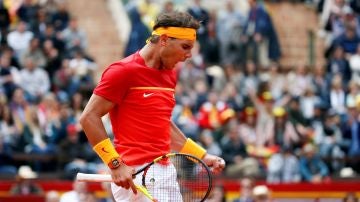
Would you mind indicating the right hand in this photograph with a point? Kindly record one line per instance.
(123, 177)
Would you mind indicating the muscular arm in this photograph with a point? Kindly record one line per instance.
(90, 119)
(178, 138)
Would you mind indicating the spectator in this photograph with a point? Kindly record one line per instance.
(283, 167)
(261, 193)
(37, 139)
(34, 80)
(281, 132)
(246, 187)
(208, 142)
(25, 184)
(7, 167)
(338, 64)
(239, 164)
(78, 193)
(82, 73)
(312, 168)
(185, 119)
(251, 81)
(52, 196)
(138, 34)
(354, 62)
(298, 80)
(149, 10)
(27, 11)
(35, 52)
(230, 25)
(247, 127)
(308, 102)
(74, 156)
(19, 39)
(61, 17)
(214, 113)
(4, 23)
(74, 37)
(9, 76)
(217, 194)
(260, 36)
(354, 127)
(202, 15)
(320, 81)
(349, 41)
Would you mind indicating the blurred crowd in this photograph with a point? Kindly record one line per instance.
(280, 123)
(46, 76)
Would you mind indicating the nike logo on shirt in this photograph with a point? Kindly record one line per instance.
(148, 94)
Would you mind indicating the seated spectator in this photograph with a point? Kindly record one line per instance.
(354, 62)
(283, 167)
(52, 196)
(19, 39)
(82, 70)
(281, 132)
(75, 156)
(208, 142)
(6, 162)
(349, 41)
(217, 194)
(331, 140)
(9, 76)
(25, 184)
(239, 164)
(35, 52)
(138, 34)
(214, 113)
(261, 193)
(354, 127)
(74, 37)
(34, 80)
(78, 193)
(185, 119)
(246, 187)
(312, 168)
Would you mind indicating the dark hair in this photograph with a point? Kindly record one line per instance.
(174, 19)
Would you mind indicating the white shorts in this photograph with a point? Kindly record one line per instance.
(158, 184)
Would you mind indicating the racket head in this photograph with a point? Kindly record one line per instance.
(177, 177)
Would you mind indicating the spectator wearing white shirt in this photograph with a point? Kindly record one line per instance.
(19, 39)
(34, 80)
(79, 193)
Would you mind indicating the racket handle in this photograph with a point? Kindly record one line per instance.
(83, 177)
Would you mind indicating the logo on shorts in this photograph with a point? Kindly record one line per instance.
(147, 94)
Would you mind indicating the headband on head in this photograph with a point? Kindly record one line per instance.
(176, 32)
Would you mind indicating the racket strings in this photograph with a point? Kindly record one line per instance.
(184, 179)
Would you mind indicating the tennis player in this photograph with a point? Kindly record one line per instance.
(138, 93)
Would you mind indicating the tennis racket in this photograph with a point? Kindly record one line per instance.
(171, 177)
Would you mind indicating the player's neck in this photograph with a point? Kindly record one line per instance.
(151, 56)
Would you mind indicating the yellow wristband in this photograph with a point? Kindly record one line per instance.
(106, 151)
(190, 147)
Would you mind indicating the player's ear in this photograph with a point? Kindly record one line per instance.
(163, 39)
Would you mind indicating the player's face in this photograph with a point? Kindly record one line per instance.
(174, 51)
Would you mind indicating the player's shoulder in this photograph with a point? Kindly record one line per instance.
(125, 63)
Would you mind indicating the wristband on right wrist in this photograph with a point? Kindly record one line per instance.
(191, 147)
(106, 151)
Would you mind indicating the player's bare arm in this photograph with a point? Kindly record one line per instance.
(94, 129)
